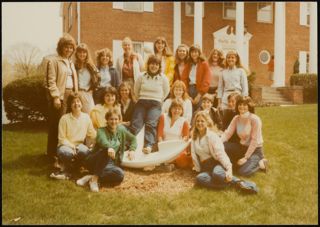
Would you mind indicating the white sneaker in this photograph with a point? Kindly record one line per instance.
(82, 181)
(94, 186)
(59, 176)
(147, 150)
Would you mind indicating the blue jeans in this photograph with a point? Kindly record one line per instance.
(146, 112)
(67, 157)
(236, 151)
(213, 175)
(100, 164)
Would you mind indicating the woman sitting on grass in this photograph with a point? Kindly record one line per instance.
(207, 106)
(247, 154)
(179, 92)
(104, 163)
(229, 114)
(210, 159)
(109, 100)
(172, 126)
(73, 127)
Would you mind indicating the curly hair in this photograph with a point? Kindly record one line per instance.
(220, 59)
(179, 84)
(101, 52)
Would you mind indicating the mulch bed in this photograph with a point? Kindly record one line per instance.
(157, 180)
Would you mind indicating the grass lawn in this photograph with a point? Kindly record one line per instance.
(288, 192)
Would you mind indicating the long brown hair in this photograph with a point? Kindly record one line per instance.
(166, 51)
(196, 47)
(88, 60)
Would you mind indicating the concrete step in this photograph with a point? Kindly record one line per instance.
(278, 102)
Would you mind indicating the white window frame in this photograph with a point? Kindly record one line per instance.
(192, 14)
(303, 61)
(146, 7)
(133, 10)
(70, 19)
(223, 10)
(270, 11)
(305, 14)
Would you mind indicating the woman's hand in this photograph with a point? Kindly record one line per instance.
(229, 175)
(241, 161)
(185, 138)
(57, 103)
(160, 139)
(111, 153)
(197, 99)
(126, 123)
(130, 155)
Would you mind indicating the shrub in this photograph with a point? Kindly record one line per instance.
(251, 78)
(25, 99)
(310, 86)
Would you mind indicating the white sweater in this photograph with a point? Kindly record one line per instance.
(152, 88)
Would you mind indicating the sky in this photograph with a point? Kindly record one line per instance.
(37, 23)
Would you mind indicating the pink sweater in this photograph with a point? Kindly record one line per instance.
(249, 130)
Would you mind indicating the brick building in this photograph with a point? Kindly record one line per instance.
(286, 30)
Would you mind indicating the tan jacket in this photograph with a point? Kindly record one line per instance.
(56, 76)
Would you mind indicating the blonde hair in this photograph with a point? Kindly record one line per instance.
(210, 125)
(176, 57)
(180, 84)
(238, 61)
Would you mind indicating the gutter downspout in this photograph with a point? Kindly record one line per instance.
(78, 13)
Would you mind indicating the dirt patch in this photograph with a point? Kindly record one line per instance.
(158, 180)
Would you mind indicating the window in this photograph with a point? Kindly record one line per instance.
(133, 6)
(143, 48)
(305, 13)
(70, 16)
(229, 10)
(189, 9)
(264, 57)
(303, 62)
(265, 12)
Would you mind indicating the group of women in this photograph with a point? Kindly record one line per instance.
(96, 110)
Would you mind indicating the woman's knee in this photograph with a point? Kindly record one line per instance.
(203, 178)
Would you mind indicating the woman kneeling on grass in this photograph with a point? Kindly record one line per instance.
(210, 159)
(247, 154)
(73, 127)
(108, 152)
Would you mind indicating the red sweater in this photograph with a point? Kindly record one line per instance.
(202, 76)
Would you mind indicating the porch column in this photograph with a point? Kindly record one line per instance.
(313, 53)
(176, 25)
(198, 24)
(240, 30)
(279, 45)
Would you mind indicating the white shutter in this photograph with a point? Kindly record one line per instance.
(148, 6)
(117, 5)
(303, 13)
(147, 50)
(302, 61)
(117, 50)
